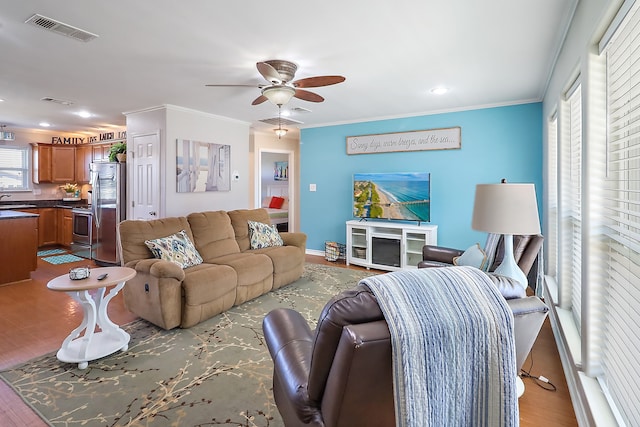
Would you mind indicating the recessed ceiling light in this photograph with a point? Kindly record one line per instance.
(84, 114)
(45, 124)
(1, 100)
(439, 90)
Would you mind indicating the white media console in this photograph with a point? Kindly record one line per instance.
(387, 245)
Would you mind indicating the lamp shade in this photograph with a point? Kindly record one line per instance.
(279, 94)
(506, 209)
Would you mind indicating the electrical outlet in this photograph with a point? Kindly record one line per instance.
(312, 187)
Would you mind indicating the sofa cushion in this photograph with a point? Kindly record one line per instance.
(255, 274)
(176, 248)
(213, 234)
(263, 235)
(133, 233)
(474, 256)
(240, 220)
(284, 258)
(208, 282)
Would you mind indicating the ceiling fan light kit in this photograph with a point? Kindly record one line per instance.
(279, 94)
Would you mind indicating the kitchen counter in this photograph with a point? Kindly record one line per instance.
(18, 246)
(53, 203)
(9, 214)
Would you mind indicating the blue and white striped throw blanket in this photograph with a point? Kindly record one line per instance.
(453, 347)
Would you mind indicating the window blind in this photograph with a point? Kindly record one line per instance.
(570, 244)
(621, 212)
(14, 167)
(551, 237)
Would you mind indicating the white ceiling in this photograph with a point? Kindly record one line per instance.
(155, 52)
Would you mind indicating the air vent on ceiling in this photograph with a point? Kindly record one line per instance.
(300, 110)
(60, 28)
(57, 101)
(283, 121)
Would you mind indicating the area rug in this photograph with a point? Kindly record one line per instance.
(216, 373)
(47, 252)
(62, 259)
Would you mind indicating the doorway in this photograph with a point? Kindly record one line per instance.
(275, 179)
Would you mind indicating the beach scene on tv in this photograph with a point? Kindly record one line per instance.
(404, 196)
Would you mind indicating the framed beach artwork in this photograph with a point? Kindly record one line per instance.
(281, 171)
(202, 166)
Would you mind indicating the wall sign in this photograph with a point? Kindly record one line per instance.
(420, 140)
(103, 137)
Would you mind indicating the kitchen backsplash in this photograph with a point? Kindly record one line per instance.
(42, 192)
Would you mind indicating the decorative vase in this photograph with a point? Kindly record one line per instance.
(122, 157)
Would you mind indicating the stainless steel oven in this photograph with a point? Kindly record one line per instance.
(83, 232)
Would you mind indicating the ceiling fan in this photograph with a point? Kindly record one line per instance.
(281, 88)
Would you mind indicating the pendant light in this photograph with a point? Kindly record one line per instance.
(280, 131)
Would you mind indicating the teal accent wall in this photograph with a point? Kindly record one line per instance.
(501, 142)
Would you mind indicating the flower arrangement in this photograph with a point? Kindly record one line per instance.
(69, 188)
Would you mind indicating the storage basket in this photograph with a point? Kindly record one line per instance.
(334, 251)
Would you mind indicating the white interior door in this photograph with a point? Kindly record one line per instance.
(145, 177)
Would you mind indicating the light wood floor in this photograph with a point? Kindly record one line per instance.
(34, 321)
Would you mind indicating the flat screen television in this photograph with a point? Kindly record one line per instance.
(402, 196)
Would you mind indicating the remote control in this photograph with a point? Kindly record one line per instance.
(102, 276)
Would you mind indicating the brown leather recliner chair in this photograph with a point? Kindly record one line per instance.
(341, 373)
(525, 252)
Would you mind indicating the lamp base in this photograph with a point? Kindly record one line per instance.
(519, 386)
(509, 267)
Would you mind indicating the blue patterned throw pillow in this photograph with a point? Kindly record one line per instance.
(176, 248)
(264, 235)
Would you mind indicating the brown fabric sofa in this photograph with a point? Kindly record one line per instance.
(231, 273)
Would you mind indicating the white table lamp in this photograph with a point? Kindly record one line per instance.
(507, 209)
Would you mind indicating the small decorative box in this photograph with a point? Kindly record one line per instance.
(79, 273)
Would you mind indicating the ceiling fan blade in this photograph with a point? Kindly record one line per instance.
(232, 86)
(308, 96)
(259, 100)
(269, 73)
(318, 81)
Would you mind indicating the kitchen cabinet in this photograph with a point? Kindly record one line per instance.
(101, 152)
(54, 163)
(84, 157)
(65, 227)
(47, 226)
(18, 246)
(63, 164)
(41, 156)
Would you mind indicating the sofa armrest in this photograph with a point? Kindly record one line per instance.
(440, 254)
(294, 239)
(157, 268)
(290, 342)
(528, 316)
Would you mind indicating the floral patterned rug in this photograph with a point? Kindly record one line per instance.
(216, 373)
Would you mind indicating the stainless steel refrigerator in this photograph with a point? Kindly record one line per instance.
(108, 182)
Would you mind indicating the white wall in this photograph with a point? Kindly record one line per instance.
(175, 123)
